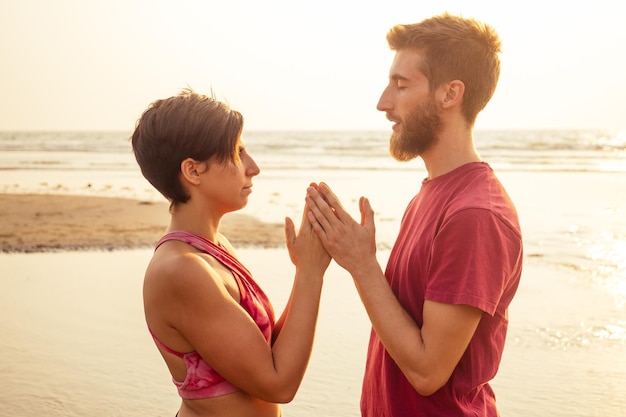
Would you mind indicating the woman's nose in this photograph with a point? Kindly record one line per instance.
(252, 168)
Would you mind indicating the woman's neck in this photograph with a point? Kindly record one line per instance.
(196, 220)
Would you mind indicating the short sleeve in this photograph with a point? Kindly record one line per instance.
(474, 256)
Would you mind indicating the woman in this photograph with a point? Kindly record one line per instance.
(212, 324)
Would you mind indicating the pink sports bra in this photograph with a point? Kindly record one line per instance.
(202, 381)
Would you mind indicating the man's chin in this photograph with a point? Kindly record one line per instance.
(402, 156)
(399, 152)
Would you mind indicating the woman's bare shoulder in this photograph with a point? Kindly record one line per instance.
(177, 270)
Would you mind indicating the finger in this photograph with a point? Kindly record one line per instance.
(290, 232)
(334, 203)
(321, 210)
(317, 228)
(290, 239)
(367, 214)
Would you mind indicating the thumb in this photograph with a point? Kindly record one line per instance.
(290, 232)
(367, 214)
(290, 238)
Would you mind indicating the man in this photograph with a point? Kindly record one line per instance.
(439, 312)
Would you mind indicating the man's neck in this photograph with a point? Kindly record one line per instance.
(453, 149)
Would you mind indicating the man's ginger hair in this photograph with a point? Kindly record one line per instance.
(454, 48)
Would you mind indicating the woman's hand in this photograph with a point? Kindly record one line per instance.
(305, 248)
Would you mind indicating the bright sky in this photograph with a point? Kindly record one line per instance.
(97, 64)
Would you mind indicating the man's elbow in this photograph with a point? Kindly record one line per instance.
(427, 385)
(426, 390)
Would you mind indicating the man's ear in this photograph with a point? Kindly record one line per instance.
(453, 94)
(189, 171)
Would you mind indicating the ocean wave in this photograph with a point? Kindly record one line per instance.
(533, 150)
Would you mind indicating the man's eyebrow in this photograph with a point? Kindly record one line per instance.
(398, 77)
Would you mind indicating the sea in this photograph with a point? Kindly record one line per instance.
(566, 346)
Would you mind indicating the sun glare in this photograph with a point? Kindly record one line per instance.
(610, 255)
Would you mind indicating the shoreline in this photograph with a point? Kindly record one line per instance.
(32, 223)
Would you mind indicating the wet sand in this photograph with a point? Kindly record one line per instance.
(73, 320)
(46, 222)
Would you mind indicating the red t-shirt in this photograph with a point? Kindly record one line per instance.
(459, 243)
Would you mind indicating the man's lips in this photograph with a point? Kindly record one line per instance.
(396, 123)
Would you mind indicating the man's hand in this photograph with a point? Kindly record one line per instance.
(351, 244)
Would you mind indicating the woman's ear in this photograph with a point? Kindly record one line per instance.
(453, 94)
(189, 171)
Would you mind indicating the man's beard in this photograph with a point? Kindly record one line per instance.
(418, 134)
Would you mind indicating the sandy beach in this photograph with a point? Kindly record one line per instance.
(77, 231)
(43, 223)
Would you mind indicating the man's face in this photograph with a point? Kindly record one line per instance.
(407, 101)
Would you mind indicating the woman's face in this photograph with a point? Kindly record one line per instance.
(229, 183)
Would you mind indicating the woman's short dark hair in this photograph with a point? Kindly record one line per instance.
(188, 125)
